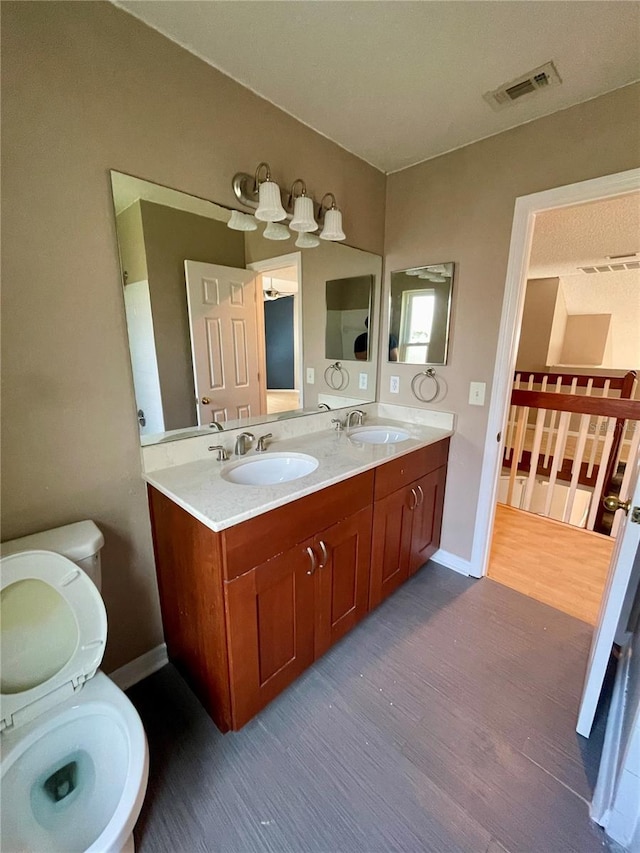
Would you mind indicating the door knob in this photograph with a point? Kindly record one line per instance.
(205, 401)
(612, 503)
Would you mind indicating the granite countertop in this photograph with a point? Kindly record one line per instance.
(199, 488)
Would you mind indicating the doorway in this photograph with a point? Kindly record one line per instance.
(579, 336)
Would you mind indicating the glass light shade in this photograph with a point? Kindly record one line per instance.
(332, 226)
(414, 272)
(303, 219)
(241, 222)
(307, 241)
(273, 231)
(438, 279)
(270, 207)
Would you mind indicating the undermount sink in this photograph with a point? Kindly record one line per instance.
(270, 469)
(379, 434)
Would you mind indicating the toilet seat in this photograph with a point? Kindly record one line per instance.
(80, 614)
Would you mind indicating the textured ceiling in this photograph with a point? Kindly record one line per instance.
(400, 82)
(584, 235)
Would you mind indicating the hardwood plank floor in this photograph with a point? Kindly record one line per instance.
(552, 562)
(444, 723)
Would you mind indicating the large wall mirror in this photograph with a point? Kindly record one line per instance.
(420, 314)
(224, 325)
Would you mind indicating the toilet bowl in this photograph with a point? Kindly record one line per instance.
(74, 753)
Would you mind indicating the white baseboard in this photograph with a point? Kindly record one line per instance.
(129, 674)
(453, 562)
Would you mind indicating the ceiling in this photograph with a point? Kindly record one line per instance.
(400, 81)
(585, 235)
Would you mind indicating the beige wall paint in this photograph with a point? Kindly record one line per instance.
(131, 244)
(459, 207)
(537, 322)
(87, 88)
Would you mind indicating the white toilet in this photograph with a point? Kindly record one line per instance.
(75, 760)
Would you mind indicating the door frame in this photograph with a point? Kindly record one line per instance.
(293, 259)
(526, 209)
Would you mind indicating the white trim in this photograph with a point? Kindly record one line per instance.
(451, 561)
(137, 669)
(293, 259)
(526, 209)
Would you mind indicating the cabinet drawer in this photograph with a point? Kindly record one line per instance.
(400, 472)
(267, 535)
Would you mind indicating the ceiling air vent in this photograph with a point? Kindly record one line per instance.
(540, 78)
(617, 267)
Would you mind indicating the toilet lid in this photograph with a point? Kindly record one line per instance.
(53, 629)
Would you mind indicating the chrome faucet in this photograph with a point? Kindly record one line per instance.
(241, 443)
(324, 406)
(357, 413)
(261, 446)
(216, 425)
(222, 452)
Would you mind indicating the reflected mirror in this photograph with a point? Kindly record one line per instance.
(223, 323)
(348, 303)
(420, 314)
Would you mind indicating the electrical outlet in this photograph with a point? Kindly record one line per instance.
(311, 376)
(476, 393)
(394, 384)
(363, 382)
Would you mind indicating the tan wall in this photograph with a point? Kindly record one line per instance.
(170, 237)
(131, 244)
(459, 207)
(87, 88)
(537, 322)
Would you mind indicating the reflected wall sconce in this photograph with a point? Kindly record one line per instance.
(241, 222)
(304, 216)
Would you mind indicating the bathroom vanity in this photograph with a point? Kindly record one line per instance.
(252, 594)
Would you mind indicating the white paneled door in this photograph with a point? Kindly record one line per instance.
(615, 600)
(228, 377)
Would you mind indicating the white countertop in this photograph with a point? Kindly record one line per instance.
(199, 488)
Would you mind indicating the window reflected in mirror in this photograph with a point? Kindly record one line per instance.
(420, 314)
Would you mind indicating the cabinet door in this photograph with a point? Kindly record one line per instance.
(270, 621)
(391, 543)
(426, 518)
(344, 557)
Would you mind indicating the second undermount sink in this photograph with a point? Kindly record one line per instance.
(270, 469)
(379, 434)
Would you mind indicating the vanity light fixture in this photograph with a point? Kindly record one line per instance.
(303, 218)
(275, 231)
(332, 229)
(270, 207)
(414, 272)
(241, 222)
(307, 241)
(263, 195)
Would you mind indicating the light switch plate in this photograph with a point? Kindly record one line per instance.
(311, 376)
(363, 382)
(394, 384)
(476, 393)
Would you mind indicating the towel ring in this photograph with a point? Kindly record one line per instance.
(416, 385)
(336, 376)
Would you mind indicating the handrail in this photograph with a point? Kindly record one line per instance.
(624, 384)
(612, 407)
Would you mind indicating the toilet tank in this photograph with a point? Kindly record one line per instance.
(80, 542)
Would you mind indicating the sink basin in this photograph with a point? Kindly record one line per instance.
(270, 469)
(379, 434)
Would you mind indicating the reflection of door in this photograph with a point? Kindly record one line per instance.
(144, 363)
(224, 347)
(614, 604)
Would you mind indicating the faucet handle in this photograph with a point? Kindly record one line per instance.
(222, 452)
(261, 446)
(338, 423)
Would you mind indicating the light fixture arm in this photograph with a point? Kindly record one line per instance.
(292, 192)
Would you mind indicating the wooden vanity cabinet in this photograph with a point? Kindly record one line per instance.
(407, 517)
(247, 610)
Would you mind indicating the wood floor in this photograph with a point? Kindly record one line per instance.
(444, 723)
(552, 562)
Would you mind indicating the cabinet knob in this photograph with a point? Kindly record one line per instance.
(313, 558)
